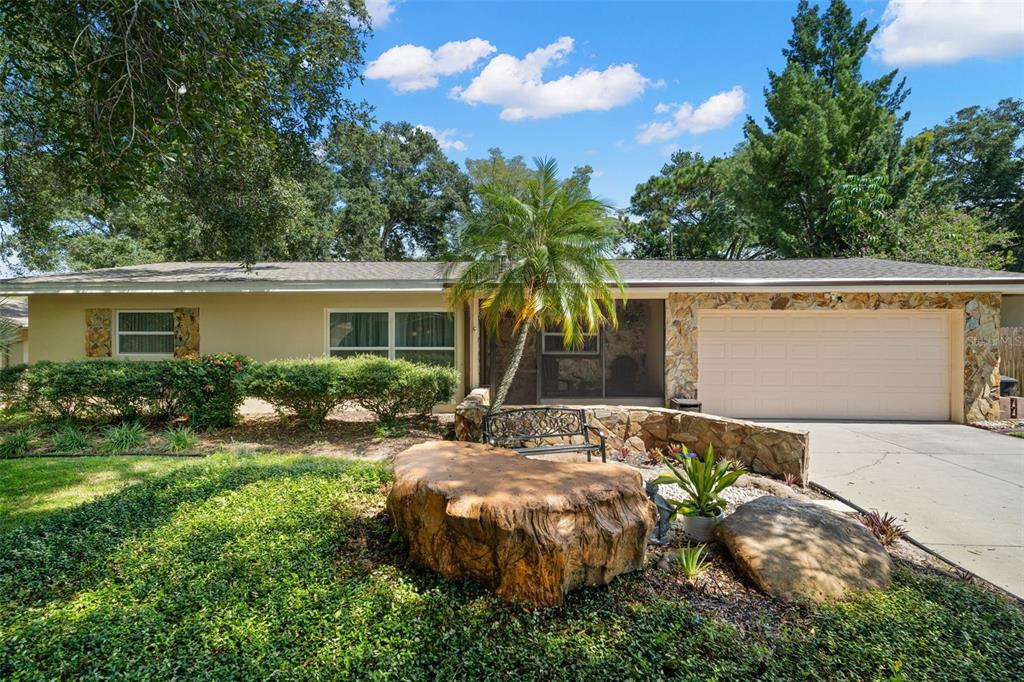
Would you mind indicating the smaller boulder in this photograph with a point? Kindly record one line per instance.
(794, 549)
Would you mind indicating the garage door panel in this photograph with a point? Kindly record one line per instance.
(804, 324)
(771, 377)
(834, 379)
(741, 377)
(741, 351)
(849, 365)
(804, 351)
(713, 350)
(742, 323)
(772, 350)
(803, 379)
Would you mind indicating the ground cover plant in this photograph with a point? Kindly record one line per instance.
(252, 567)
(123, 437)
(69, 438)
(17, 443)
(180, 438)
(36, 487)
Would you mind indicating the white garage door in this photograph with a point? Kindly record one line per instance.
(824, 365)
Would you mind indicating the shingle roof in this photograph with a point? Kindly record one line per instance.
(800, 270)
(427, 275)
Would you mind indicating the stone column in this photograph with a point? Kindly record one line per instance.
(98, 332)
(186, 332)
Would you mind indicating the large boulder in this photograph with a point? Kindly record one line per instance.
(529, 529)
(794, 549)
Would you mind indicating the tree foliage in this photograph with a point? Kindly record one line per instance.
(826, 128)
(828, 173)
(977, 158)
(108, 102)
(684, 212)
(400, 195)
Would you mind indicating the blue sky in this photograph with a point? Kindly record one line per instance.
(593, 88)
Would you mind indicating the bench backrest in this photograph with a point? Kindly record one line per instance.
(535, 423)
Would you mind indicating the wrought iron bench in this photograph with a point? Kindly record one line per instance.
(513, 428)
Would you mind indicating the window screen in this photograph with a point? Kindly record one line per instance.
(145, 332)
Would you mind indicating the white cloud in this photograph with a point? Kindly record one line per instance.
(919, 32)
(408, 68)
(713, 113)
(662, 108)
(518, 85)
(380, 11)
(445, 138)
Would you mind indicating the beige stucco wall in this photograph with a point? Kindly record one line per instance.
(265, 326)
(975, 352)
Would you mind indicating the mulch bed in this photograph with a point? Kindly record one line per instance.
(351, 436)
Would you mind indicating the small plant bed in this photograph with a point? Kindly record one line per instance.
(352, 433)
(1007, 427)
(280, 566)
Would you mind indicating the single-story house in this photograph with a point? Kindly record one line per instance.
(830, 338)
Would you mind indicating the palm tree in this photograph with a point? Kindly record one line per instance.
(542, 255)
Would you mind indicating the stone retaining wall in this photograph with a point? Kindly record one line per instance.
(763, 449)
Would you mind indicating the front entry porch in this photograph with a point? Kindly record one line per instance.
(625, 364)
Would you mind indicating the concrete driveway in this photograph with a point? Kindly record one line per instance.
(957, 489)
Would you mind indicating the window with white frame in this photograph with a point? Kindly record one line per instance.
(426, 336)
(145, 332)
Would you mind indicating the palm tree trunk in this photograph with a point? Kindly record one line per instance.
(513, 367)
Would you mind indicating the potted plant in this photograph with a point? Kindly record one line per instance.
(703, 480)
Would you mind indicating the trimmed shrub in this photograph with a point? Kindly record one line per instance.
(12, 384)
(309, 389)
(205, 391)
(209, 389)
(390, 388)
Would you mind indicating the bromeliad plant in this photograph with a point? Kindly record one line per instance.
(702, 479)
(692, 561)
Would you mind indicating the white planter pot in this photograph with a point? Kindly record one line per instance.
(698, 528)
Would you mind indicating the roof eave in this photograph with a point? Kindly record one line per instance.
(1006, 285)
(28, 288)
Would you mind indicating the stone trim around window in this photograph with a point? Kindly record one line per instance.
(98, 332)
(186, 332)
(980, 347)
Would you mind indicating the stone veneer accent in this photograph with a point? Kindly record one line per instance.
(98, 332)
(186, 332)
(763, 449)
(981, 333)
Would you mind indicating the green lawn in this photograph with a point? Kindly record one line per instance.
(34, 487)
(281, 567)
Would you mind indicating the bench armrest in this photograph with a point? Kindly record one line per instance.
(602, 437)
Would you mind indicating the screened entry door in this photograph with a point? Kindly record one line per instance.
(627, 361)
